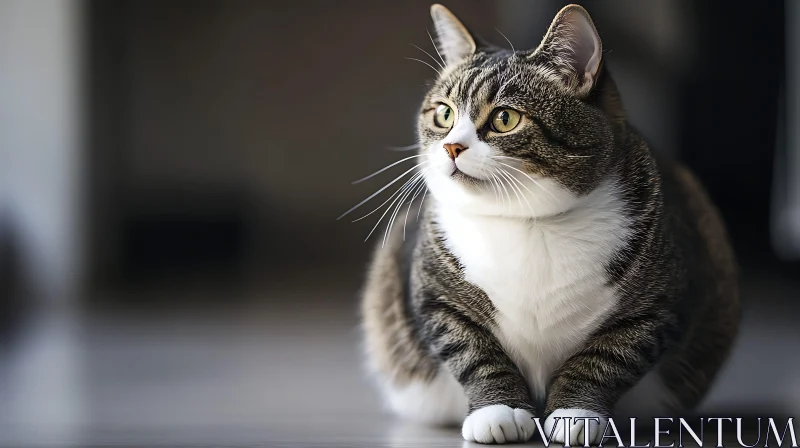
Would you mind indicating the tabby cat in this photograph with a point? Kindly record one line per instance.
(559, 267)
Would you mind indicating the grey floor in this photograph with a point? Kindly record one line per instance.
(285, 374)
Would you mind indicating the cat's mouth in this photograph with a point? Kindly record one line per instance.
(459, 175)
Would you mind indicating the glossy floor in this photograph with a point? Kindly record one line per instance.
(287, 374)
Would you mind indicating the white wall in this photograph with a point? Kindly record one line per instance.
(40, 148)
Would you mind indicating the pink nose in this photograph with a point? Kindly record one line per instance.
(454, 149)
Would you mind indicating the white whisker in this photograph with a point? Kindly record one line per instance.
(396, 210)
(534, 181)
(422, 201)
(434, 59)
(404, 148)
(495, 190)
(378, 192)
(429, 65)
(384, 214)
(405, 221)
(499, 188)
(386, 168)
(399, 191)
(511, 184)
(434, 46)
(510, 176)
(503, 184)
(515, 178)
(526, 175)
(507, 40)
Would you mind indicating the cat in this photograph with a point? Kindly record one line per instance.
(557, 263)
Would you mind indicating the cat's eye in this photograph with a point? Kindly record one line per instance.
(505, 120)
(444, 116)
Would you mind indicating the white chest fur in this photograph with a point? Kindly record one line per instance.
(546, 278)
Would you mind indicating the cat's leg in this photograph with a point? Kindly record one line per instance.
(689, 372)
(685, 374)
(649, 398)
(499, 402)
(587, 386)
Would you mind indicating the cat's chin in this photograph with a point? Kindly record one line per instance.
(475, 196)
(485, 204)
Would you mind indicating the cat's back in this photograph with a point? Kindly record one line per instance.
(698, 230)
(708, 310)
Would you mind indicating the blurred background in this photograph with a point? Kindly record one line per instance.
(171, 266)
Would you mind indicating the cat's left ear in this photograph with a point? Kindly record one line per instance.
(454, 40)
(573, 49)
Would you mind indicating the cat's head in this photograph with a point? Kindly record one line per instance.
(519, 133)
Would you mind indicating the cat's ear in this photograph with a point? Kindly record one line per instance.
(454, 41)
(573, 49)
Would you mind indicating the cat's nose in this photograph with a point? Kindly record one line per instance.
(454, 149)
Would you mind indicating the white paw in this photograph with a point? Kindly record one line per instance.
(498, 424)
(577, 430)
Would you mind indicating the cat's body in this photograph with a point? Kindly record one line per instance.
(581, 267)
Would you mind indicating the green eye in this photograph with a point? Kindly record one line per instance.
(444, 116)
(505, 120)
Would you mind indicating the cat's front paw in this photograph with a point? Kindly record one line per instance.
(498, 424)
(577, 429)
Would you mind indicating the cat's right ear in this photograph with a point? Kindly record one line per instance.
(572, 49)
(454, 42)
